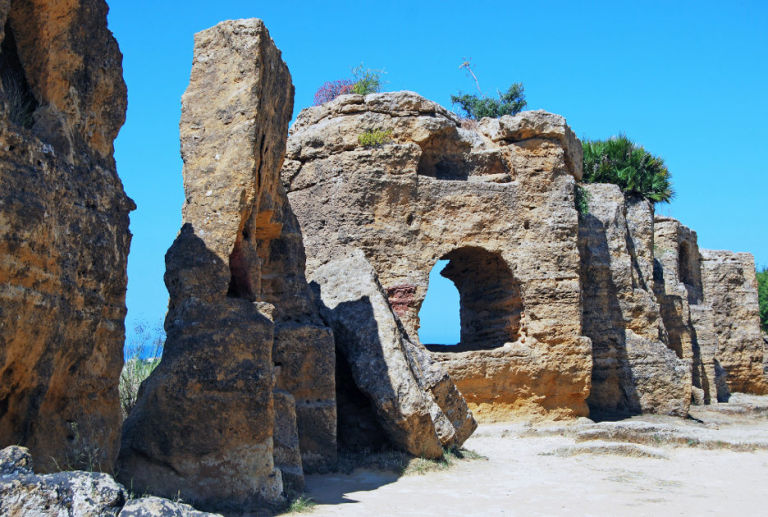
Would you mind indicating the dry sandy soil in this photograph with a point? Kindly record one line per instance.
(715, 463)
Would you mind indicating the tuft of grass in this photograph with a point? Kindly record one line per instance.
(403, 463)
(83, 452)
(582, 200)
(302, 504)
(374, 138)
(367, 80)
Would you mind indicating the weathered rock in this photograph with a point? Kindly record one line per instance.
(537, 124)
(453, 420)
(499, 203)
(73, 493)
(204, 423)
(730, 286)
(159, 507)
(76, 493)
(634, 370)
(303, 348)
(64, 235)
(688, 319)
(396, 376)
(286, 443)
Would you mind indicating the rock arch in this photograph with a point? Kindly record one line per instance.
(491, 301)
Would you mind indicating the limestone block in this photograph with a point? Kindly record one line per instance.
(371, 341)
(730, 286)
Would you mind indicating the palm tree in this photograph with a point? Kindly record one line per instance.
(619, 161)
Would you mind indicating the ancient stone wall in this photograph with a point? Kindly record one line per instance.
(634, 368)
(64, 235)
(689, 320)
(498, 202)
(730, 286)
(245, 389)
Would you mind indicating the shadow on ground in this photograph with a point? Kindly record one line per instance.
(333, 488)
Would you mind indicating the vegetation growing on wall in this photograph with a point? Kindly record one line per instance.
(762, 287)
(582, 200)
(619, 161)
(476, 107)
(332, 89)
(364, 81)
(374, 138)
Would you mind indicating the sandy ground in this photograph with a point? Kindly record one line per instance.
(652, 466)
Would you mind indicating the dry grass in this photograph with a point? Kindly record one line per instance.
(403, 463)
(301, 504)
(617, 449)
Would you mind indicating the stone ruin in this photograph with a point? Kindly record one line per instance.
(608, 312)
(500, 207)
(246, 390)
(268, 373)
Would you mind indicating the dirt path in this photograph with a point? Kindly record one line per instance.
(645, 466)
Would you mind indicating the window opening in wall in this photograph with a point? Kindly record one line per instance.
(490, 300)
(439, 314)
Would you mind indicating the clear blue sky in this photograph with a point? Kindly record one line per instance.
(687, 80)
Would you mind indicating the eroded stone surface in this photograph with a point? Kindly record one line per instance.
(688, 318)
(64, 235)
(730, 286)
(405, 389)
(73, 493)
(204, 424)
(158, 507)
(22, 492)
(634, 369)
(498, 202)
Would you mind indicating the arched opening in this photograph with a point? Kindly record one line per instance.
(439, 315)
(490, 299)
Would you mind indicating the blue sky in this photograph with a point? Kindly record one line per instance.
(687, 80)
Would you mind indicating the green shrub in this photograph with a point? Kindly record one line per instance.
(366, 80)
(762, 289)
(582, 200)
(476, 107)
(142, 354)
(635, 170)
(374, 138)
